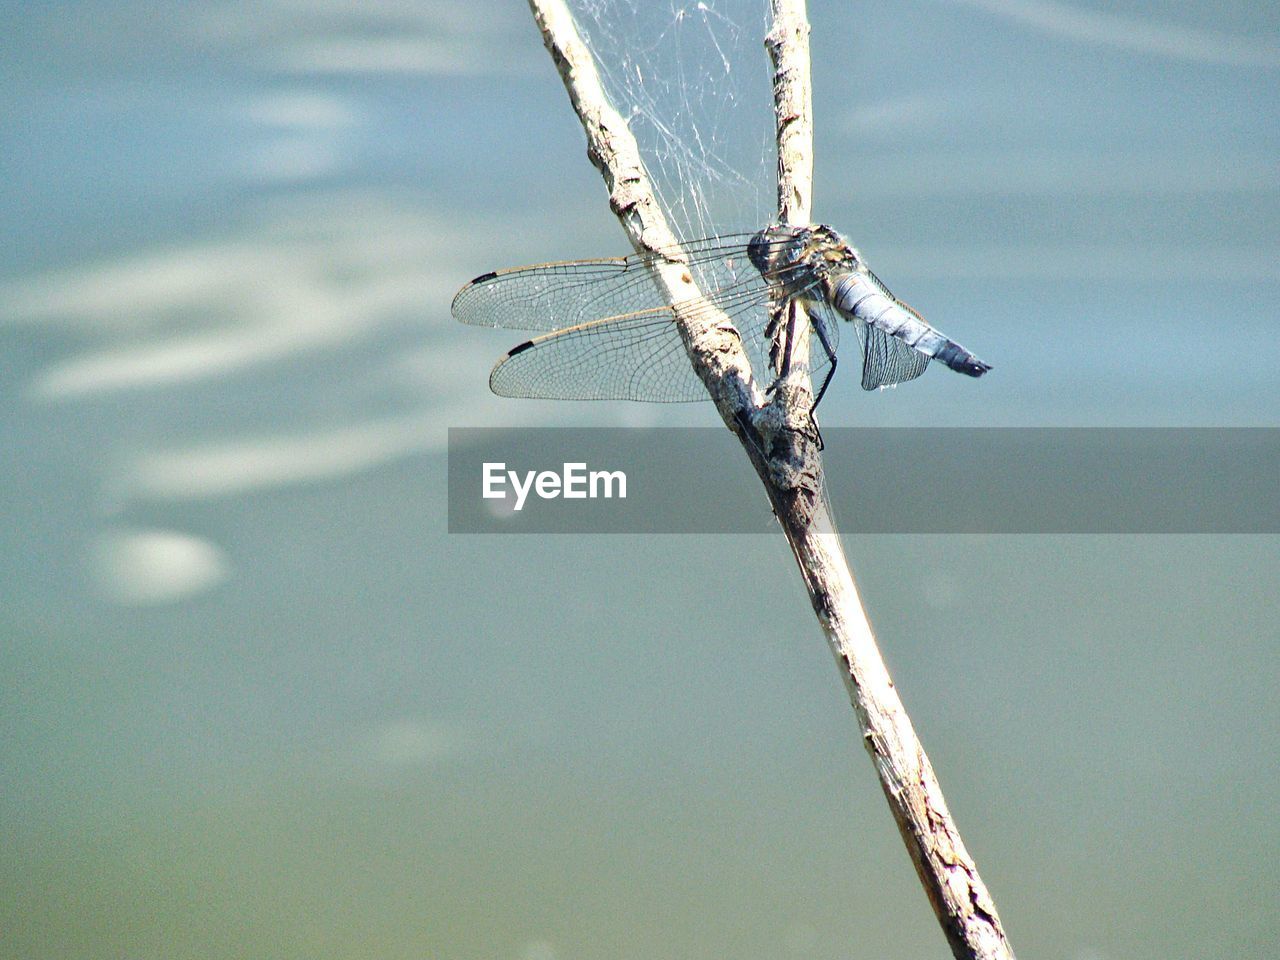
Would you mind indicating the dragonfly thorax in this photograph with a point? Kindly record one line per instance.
(792, 259)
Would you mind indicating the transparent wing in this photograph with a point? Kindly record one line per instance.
(886, 360)
(635, 356)
(549, 296)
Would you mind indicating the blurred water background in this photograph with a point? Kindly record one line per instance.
(257, 703)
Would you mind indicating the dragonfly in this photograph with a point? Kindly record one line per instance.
(614, 336)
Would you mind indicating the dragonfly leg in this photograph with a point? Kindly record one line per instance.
(831, 357)
(780, 343)
(822, 390)
(784, 367)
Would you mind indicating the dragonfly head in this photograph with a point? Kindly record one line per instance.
(773, 246)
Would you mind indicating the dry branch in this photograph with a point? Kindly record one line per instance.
(787, 459)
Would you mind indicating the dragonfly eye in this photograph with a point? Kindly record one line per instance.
(760, 253)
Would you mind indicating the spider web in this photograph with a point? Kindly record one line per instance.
(694, 82)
